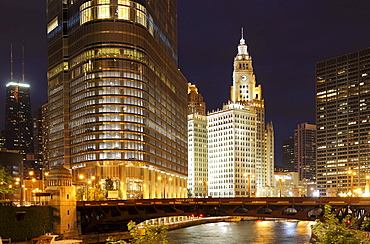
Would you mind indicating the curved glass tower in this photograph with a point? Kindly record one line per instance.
(117, 101)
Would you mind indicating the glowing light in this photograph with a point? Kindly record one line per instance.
(17, 84)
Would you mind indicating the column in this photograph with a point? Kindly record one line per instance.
(146, 183)
(153, 180)
(123, 183)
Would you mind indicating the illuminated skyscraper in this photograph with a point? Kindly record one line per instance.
(196, 105)
(305, 151)
(240, 149)
(197, 144)
(343, 123)
(289, 164)
(117, 101)
(18, 119)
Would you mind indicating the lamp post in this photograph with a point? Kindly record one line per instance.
(43, 175)
(352, 174)
(367, 186)
(82, 177)
(93, 179)
(281, 187)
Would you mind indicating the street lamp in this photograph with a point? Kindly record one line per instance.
(366, 194)
(281, 187)
(352, 174)
(43, 175)
(81, 177)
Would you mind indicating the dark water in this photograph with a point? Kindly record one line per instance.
(259, 232)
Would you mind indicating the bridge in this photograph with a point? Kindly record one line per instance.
(113, 215)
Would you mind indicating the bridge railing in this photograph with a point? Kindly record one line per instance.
(333, 201)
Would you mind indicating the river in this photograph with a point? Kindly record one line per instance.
(257, 232)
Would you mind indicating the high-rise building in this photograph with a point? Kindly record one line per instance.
(18, 119)
(37, 133)
(117, 100)
(288, 162)
(240, 144)
(40, 139)
(197, 144)
(45, 136)
(196, 105)
(305, 151)
(343, 123)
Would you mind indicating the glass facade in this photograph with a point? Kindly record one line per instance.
(117, 101)
(343, 123)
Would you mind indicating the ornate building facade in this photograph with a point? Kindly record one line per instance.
(241, 155)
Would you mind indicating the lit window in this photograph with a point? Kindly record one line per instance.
(124, 2)
(86, 16)
(53, 24)
(103, 1)
(123, 12)
(140, 18)
(103, 12)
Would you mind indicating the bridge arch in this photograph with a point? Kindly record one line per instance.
(101, 216)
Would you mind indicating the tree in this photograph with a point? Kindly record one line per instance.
(109, 186)
(6, 182)
(335, 231)
(154, 234)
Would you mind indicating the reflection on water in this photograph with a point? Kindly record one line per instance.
(260, 231)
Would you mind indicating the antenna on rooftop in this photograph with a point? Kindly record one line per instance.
(22, 60)
(11, 62)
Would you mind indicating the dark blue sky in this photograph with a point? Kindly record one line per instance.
(285, 39)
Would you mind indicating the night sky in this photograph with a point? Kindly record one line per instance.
(285, 39)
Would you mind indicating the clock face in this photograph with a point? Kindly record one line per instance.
(244, 78)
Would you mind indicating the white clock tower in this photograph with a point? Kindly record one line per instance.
(244, 81)
(240, 143)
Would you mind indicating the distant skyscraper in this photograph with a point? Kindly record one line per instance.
(18, 118)
(289, 164)
(305, 151)
(45, 136)
(117, 100)
(37, 132)
(343, 122)
(240, 149)
(40, 137)
(197, 144)
(196, 105)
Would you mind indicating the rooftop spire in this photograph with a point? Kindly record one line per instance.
(242, 48)
(11, 62)
(242, 41)
(22, 60)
